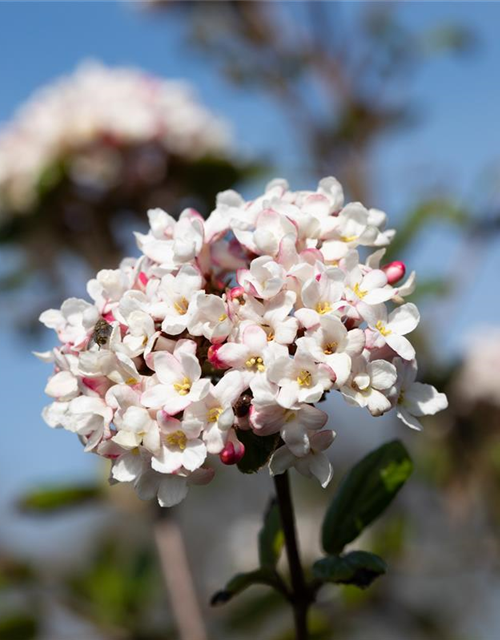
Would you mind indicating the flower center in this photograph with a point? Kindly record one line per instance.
(380, 326)
(176, 439)
(348, 238)
(330, 348)
(359, 292)
(181, 306)
(222, 317)
(183, 387)
(323, 307)
(304, 378)
(256, 363)
(214, 413)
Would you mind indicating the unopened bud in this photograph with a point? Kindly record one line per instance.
(394, 271)
(232, 454)
(213, 357)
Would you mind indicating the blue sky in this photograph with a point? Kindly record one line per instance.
(457, 141)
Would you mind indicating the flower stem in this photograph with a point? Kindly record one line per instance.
(300, 596)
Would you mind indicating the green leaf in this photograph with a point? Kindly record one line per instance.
(18, 626)
(271, 537)
(359, 568)
(364, 493)
(52, 499)
(241, 581)
(258, 450)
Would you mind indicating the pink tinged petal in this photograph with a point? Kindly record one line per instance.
(401, 345)
(340, 363)
(167, 461)
(423, 399)
(382, 374)
(215, 439)
(190, 366)
(311, 293)
(378, 296)
(199, 390)
(404, 319)
(156, 396)
(167, 423)
(194, 455)
(127, 468)
(322, 440)
(184, 346)
(285, 331)
(288, 395)
(62, 385)
(229, 388)
(409, 420)
(295, 437)
(172, 491)
(226, 419)
(377, 403)
(147, 484)
(167, 367)
(308, 318)
(375, 279)
(320, 467)
(255, 338)
(311, 418)
(280, 371)
(175, 403)
(281, 461)
(267, 420)
(232, 354)
(355, 342)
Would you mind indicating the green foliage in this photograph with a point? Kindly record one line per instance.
(52, 499)
(258, 450)
(241, 581)
(359, 568)
(364, 494)
(271, 537)
(18, 626)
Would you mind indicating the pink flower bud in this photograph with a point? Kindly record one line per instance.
(143, 279)
(235, 292)
(394, 271)
(232, 454)
(214, 360)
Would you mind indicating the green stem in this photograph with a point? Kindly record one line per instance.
(300, 596)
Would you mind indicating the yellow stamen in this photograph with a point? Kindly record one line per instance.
(181, 306)
(401, 397)
(330, 348)
(255, 363)
(304, 378)
(222, 317)
(184, 387)
(176, 439)
(214, 413)
(131, 381)
(289, 416)
(382, 328)
(359, 292)
(348, 238)
(323, 307)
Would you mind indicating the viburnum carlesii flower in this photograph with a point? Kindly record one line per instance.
(415, 399)
(369, 381)
(330, 342)
(314, 464)
(178, 381)
(300, 379)
(392, 328)
(229, 330)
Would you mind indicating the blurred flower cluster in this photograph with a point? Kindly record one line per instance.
(87, 120)
(236, 325)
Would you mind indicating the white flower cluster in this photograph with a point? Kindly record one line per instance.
(243, 321)
(85, 119)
